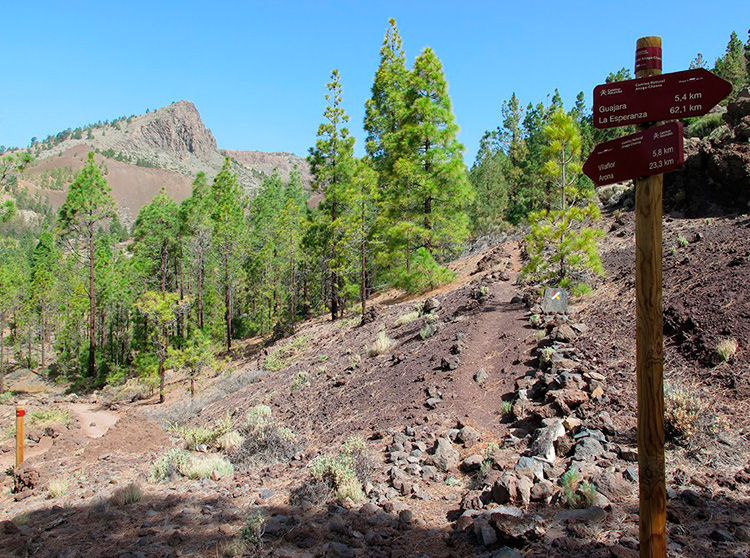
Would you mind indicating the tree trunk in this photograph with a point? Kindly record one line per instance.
(200, 292)
(363, 264)
(92, 308)
(334, 277)
(562, 209)
(44, 329)
(227, 302)
(2, 353)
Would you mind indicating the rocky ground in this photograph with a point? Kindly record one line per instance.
(491, 428)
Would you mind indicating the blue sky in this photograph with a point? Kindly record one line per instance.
(257, 70)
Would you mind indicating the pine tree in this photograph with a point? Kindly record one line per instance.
(332, 164)
(383, 110)
(228, 206)
(43, 288)
(733, 65)
(89, 202)
(196, 232)
(561, 249)
(13, 275)
(490, 178)
(426, 206)
(161, 311)
(156, 237)
(359, 223)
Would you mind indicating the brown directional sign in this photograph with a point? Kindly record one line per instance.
(656, 98)
(652, 151)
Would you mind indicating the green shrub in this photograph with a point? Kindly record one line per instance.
(264, 440)
(337, 471)
(203, 467)
(255, 527)
(169, 465)
(682, 241)
(684, 410)
(423, 274)
(50, 417)
(704, 125)
(301, 380)
(197, 435)
(576, 494)
(282, 357)
(6, 397)
(428, 330)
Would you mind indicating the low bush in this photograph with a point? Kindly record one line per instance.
(229, 441)
(726, 349)
(265, 441)
(126, 495)
(54, 416)
(203, 467)
(407, 318)
(57, 487)
(197, 435)
(337, 472)
(177, 462)
(381, 344)
(169, 465)
(282, 356)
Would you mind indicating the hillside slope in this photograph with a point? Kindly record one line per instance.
(471, 419)
(164, 148)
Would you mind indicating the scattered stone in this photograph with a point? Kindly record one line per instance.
(467, 436)
(504, 488)
(277, 525)
(485, 534)
(472, 463)
(742, 533)
(720, 535)
(564, 333)
(555, 301)
(530, 468)
(506, 552)
(691, 498)
(631, 474)
(586, 515)
(517, 531)
(432, 304)
(588, 449)
(544, 443)
(543, 490)
(10, 528)
(444, 456)
(481, 376)
(339, 550)
(629, 454)
(450, 362)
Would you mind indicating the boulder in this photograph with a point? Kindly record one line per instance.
(544, 443)
(444, 456)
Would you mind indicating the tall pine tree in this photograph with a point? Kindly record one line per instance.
(332, 165)
(426, 206)
(89, 202)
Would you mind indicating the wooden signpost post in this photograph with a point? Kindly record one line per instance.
(652, 488)
(19, 435)
(644, 156)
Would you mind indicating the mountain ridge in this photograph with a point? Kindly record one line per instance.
(143, 153)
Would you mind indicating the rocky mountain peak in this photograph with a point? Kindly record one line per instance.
(176, 129)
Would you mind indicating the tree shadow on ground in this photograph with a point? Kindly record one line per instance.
(170, 525)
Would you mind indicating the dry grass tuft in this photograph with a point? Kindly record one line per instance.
(127, 495)
(381, 344)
